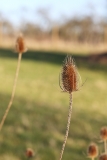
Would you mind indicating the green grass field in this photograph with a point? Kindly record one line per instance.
(39, 112)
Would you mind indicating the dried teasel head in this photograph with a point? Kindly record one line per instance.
(103, 156)
(20, 44)
(103, 133)
(92, 151)
(29, 153)
(70, 79)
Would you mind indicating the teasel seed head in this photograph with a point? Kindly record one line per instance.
(92, 150)
(103, 133)
(20, 44)
(103, 156)
(70, 79)
(29, 153)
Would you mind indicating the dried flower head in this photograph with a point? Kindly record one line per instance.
(29, 153)
(70, 78)
(92, 150)
(103, 133)
(20, 44)
(103, 156)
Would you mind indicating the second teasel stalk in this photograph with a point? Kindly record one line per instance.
(20, 48)
(69, 82)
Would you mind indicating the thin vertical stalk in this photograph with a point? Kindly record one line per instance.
(13, 92)
(68, 125)
(105, 146)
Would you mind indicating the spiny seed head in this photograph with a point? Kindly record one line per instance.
(29, 153)
(103, 156)
(103, 133)
(70, 78)
(92, 150)
(20, 44)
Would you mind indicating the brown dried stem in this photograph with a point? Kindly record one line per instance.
(68, 125)
(13, 92)
(105, 146)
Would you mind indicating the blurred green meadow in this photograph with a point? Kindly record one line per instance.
(38, 116)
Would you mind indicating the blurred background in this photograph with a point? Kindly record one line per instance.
(38, 117)
(52, 24)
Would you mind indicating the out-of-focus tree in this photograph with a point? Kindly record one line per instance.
(8, 28)
(0, 27)
(52, 26)
(105, 26)
(81, 29)
(31, 30)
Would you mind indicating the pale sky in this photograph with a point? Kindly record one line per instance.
(17, 10)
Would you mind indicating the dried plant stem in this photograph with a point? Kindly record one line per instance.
(105, 146)
(92, 158)
(13, 92)
(68, 125)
